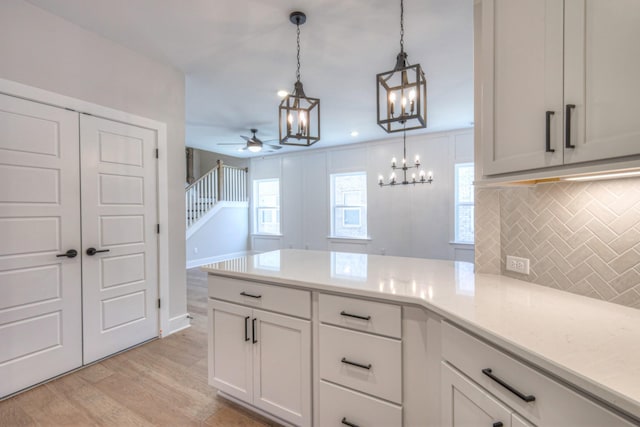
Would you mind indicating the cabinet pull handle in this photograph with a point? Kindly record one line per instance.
(244, 294)
(498, 424)
(359, 365)
(347, 423)
(548, 132)
(526, 398)
(567, 137)
(355, 316)
(246, 328)
(253, 330)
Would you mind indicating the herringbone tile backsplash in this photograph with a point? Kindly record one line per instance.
(580, 237)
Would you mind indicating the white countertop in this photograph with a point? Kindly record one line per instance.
(592, 344)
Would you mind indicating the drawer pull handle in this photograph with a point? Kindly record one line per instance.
(527, 398)
(359, 365)
(567, 136)
(344, 313)
(498, 424)
(246, 328)
(548, 148)
(244, 294)
(253, 329)
(347, 423)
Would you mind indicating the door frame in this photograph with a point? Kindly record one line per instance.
(166, 324)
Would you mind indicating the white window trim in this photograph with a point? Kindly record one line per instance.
(333, 206)
(257, 208)
(457, 204)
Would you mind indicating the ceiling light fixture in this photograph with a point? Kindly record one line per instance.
(282, 93)
(299, 115)
(354, 133)
(402, 92)
(422, 178)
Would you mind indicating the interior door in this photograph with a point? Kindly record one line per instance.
(40, 300)
(119, 237)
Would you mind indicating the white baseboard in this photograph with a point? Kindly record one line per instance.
(176, 324)
(202, 261)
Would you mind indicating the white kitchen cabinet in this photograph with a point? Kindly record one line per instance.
(262, 359)
(524, 390)
(559, 83)
(464, 404)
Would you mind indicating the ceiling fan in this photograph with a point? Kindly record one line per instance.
(254, 144)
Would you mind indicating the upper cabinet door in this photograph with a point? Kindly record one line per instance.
(602, 65)
(521, 74)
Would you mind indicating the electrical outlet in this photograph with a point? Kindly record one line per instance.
(518, 265)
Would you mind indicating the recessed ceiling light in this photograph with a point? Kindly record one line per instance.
(282, 93)
(354, 133)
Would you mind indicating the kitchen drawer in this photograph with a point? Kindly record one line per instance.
(368, 316)
(382, 356)
(276, 298)
(554, 404)
(338, 404)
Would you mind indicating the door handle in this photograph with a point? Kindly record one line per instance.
(253, 330)
(93, 251)
(71, 253)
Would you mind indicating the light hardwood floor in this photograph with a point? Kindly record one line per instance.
(161, 383)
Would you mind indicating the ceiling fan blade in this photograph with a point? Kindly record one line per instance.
(230, 143)
(271, 140)
(274, 147)
(246, 138)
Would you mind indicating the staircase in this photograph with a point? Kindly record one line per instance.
(222, 183)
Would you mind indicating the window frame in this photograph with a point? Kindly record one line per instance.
(361, 208)
(258, 209)
(457, 203)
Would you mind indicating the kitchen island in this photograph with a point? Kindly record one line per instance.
(464, 344)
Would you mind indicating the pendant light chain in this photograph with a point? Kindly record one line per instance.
(298, 70)
(401, 26)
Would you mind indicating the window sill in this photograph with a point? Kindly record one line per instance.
(355, 239)
(462, 244)
(266, 235)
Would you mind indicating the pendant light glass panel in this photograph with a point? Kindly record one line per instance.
(402, 98)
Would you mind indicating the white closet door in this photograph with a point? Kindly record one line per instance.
(40, 300)
(119, 281)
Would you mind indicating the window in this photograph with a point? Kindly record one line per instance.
(464, 173)
(349, 205)
(266, 196)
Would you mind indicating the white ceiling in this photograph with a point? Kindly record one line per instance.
(236, 54)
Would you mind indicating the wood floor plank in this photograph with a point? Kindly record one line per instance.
(11, 414)
(48, 409)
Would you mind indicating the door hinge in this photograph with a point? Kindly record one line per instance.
(158, 302)
(157, 153)
(158, 228)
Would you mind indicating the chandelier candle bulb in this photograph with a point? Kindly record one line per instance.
(393, 162)
(417, 160)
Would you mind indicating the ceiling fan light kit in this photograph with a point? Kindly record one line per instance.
(402, 92)
(298, 114)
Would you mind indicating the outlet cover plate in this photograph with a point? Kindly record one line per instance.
(517, 264)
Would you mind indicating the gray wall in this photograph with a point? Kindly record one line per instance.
(415, 221)
(42, 50)
(204, 161)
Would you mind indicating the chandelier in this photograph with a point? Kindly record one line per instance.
(402, 92)
(299, 115)
(422, 178)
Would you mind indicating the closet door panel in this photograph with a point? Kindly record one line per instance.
(40, 300)
(119, 216)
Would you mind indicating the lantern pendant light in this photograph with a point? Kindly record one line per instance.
(299, 115)
(402, 92)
